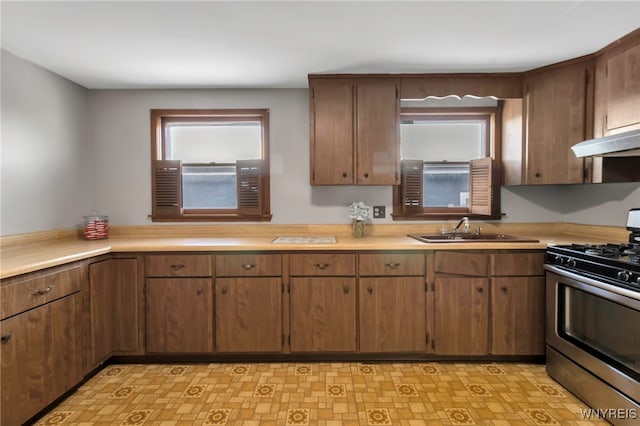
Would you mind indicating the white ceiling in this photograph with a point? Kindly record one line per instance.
(242, 44)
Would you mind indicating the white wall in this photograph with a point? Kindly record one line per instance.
(45, 175)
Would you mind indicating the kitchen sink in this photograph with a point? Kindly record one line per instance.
(470, 238)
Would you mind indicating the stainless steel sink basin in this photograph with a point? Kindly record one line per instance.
(470, 238)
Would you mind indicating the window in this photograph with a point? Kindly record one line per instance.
(210, 165)
(447, 170)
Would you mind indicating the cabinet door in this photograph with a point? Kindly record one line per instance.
(41, 358)
(179, 315)
(556, 118)
(623, 84)
(323, 314)
(517, 323)
(332, 131)
(377, 132)
(461, 316)
(248, 314)
(392, 314)
(101, 279)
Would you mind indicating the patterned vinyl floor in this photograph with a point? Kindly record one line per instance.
(321, 394)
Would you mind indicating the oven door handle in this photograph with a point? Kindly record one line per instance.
(620, 291)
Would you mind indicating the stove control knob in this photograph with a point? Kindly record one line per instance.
(559, 260)
(623, 276)
(571, 263)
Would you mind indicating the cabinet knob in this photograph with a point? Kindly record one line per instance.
(178, 267)
(370, 290)
(537, 174)
(345, 289)
(480, 289)
(224, 290)
(344, 174)
(248, 266)
(322, 266)
(366, 175)
(503, 289)
(39, 292)
(392, 265)
(199, 291)
(5, 337)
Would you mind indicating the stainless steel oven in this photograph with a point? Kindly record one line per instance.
(593, 340)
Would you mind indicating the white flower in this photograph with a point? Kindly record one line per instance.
(359, 211)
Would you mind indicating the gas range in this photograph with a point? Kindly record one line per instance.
(617, 264)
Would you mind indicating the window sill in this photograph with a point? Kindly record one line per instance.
(213, 218)
(444, 216)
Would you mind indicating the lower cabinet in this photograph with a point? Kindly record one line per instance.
(461, 316)
(392, 314)
(179, 315)
(248, 314)
(518, 316)
(41, 356)
(323, 314)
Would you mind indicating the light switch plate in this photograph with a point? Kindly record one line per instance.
(379, 212)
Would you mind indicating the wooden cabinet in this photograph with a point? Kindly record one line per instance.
(179, 303)
(558, 113)
(248, 302)
(461, 316)
(179, 315)
(355, 131)
(517, 303)
(40, 348)
(391, 310)
(114, 306)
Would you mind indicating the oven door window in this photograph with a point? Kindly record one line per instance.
(605, 329)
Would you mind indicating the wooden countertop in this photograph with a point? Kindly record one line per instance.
(32, 254)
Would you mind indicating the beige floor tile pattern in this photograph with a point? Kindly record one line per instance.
(328, 394)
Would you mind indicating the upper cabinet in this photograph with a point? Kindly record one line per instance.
(617, 87)
(557, 114)
(355, 131)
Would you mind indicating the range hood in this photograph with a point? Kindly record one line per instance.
(622, 144)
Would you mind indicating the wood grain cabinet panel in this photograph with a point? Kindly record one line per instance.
(323, 314)
(323, 264)
(355, 131)
(22, 293)
(392, 314)
(178, 265)
(41, 357)
(461, 316)
(623, 87)
(391, 264)
(517, 320)
(461, 263)
(248, 264)
(517, 263)
(179, 315)
(248, 314)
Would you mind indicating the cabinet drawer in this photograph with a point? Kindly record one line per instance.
(22, 293)
(322, 264)
(460, 263)
(391, 264)
(178, 265)
(242, 265)
(514, 264)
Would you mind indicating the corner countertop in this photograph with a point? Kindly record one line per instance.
(31, 256)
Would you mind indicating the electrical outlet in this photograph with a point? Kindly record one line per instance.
(379, 212)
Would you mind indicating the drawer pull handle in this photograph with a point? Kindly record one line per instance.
(480, 289)
(504, 288)
(41, 292)
(5, 337)
(370, 290)
(392, 265)
(345, 289)
(322, 266)
(248, 266)
(224, 290)
(178, 267)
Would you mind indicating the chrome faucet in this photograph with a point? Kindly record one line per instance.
(464, 220)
